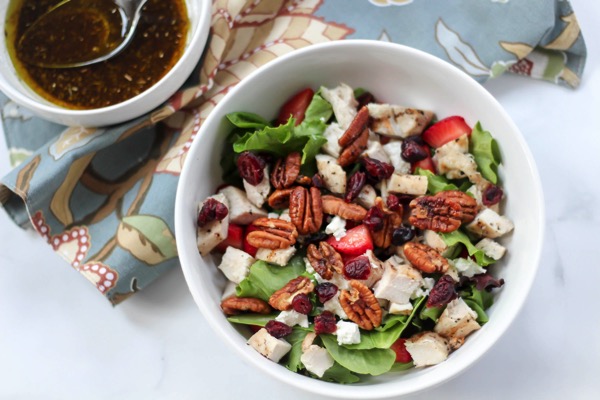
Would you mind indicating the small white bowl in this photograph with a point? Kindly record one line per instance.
(199, 13)
(398, 75)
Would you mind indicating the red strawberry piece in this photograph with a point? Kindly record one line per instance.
(445, 131)
(247, 247)
(295, 107)
(235, 237)
(356, 242)
(426, 163)
(402, 355)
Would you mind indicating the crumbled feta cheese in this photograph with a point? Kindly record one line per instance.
(334, 306)
(292, 318)
(467, 267)
(235, 264)
(375, 151)
(347, 333)
(424, 290)
(316, 360)
(337, 227)
(272, 348)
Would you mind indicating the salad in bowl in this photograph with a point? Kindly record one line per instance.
(357, 237)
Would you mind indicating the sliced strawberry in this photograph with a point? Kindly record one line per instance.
(247, 247)
(235, 235)
(295, 107)
(356, 242)
(445, 131)
(426, 163)
(402, 355)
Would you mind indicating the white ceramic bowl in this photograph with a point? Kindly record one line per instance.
(398, 75)
(199, 13)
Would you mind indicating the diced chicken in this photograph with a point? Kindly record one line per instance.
(460, 144)
(491, 248)
(456, 322)
(488, 223)
(241, 210)
(214, 232)
(476, 192)
(399, 281)
(334, 305)
(452, 161)
(258, 194)
(400, 309)
(279, 257)
(229, 290)
(332, 133)
(397, 121)
(415, 185)
(427, 348)
(375, 150)
(377, 269)
(292, 318)
(433, 239)
(366, 197)
(269, 346)
(343, 103)
(235, 264)
(317, 360)
(334, 176)
(347, 333)
(394, 152)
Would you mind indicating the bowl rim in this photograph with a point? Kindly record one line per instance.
(378, 390)
(200, 35)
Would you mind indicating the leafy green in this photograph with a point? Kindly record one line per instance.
(435, 183)
(292, 360)
(486, 152)
(371, 361)
(264, 279)
(251, 319)
(458, 236)
(247, 120)
(478, 300)
(402, 366)
(384, 336)
(339, 374)
(432, 313)
(319, 109)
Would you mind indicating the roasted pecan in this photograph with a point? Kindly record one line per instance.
(282, 299)
(335, 206)
(325, 259)
(272, 234)
(234, 305)
(286, 171)
(280, 198)
(306, 209)
(425, 258)
(435, 213)
(468, 205)
(354, 141)
(390, 221)
(361, 306)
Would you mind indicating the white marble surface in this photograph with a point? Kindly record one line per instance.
(59, 339)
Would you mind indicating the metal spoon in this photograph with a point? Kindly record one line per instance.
(75, 33)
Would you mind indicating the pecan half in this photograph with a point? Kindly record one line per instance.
(361, 306)
(306, 209)
(425, 258)
(234, 305)
(282, 299)
(390, 221)
(280, 198)
(286, 171)
(435, 213)
(325, 259)
(335, 206)
(354, 141)
(468, 205)
(272, 234)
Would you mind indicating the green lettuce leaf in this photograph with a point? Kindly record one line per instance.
(486, 152)
(479, 301)
(458, 236)
(264, 279)
(292, 359)
(246, 120)
(402, 366)
(339, 374)
(251, 319)
(432, 313)
(319, 109)
(435, 183)
(371, 361)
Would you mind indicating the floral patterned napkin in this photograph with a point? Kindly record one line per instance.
(103, 198)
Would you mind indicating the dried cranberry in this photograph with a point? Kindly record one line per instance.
(355, 184)
(278, 329)
(486, 282)
(364, 99)
(442, 293)
(491, 195)
(314, 238)
(325, 291)
(374, 219)
(357, 268)
(212, 210)
(412, 151)
(301, 303)
(325, 323)
(384, 139)
(377, 170)
(251, 167)
(317, 181)
(393, 202)
(402, 234)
